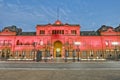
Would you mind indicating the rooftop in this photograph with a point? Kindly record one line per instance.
(27, 34)
(58, 23)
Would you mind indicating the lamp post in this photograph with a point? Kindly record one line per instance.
(115, 44)
(78, 50)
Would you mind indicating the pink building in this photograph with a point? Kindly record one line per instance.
(60, 40)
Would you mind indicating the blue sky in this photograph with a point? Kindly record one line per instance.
(90, 14)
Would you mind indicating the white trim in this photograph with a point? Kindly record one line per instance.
(19, 59)
(69, 58)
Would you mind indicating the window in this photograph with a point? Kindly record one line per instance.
(42, 31)
(53, 31)
(73, 31)
(17, 42)
(57, 31)
(62, 31)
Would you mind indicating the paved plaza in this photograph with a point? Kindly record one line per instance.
(59, 75)
(88, 65)
(20, 70)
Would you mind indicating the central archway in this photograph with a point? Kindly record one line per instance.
(57, 49)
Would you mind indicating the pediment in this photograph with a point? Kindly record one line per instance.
(6, 30)
(110, 30)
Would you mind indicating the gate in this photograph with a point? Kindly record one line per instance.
(39, 56)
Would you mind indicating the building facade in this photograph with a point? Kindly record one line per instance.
(60, 40)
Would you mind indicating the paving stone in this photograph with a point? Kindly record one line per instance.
(59, 75)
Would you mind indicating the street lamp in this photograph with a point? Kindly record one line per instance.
(78, 50)
(115, 49)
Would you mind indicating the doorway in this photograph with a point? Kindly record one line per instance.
(57, 49)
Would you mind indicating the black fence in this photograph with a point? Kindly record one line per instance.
(46, 56)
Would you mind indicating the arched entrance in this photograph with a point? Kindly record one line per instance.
(57, 49)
